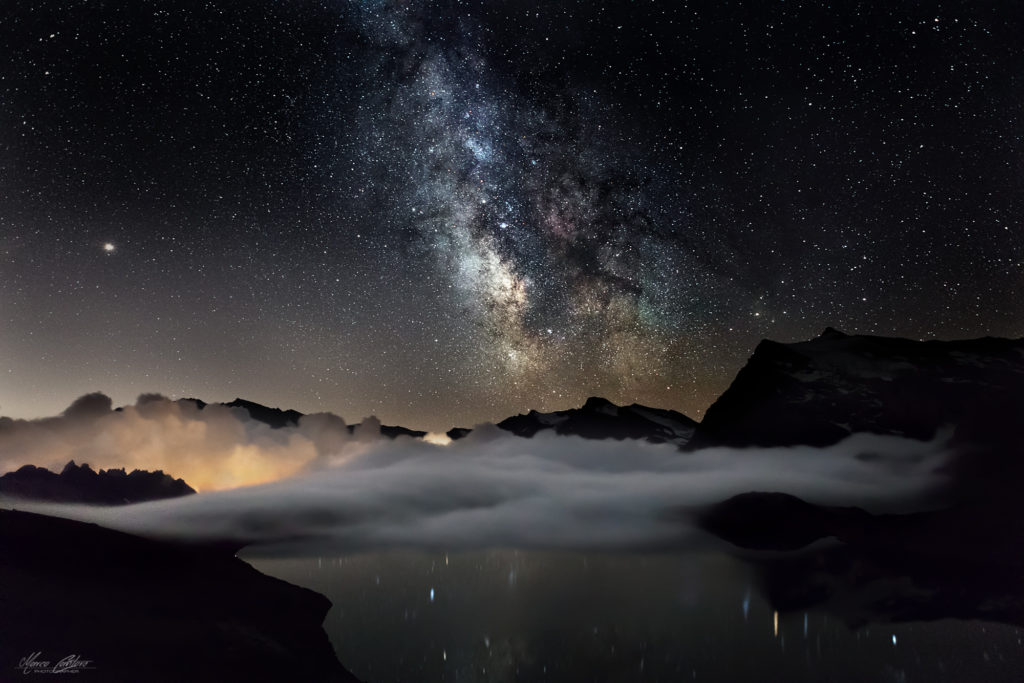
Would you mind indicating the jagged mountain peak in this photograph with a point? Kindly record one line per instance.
(599, 418)
(82, 484)
(832, 333)
(598, 403)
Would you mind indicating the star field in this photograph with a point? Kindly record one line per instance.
(448, 212)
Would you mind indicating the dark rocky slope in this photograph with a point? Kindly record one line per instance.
(277, 418)
(819, 391)
(144, 610)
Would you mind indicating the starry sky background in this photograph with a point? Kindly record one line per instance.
(448, 212)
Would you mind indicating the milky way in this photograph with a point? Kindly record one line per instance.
(447, 212)
(534, 214)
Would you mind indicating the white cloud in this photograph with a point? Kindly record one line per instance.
(487, 490)
(213, 448)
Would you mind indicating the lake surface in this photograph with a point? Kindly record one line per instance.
(566, 616)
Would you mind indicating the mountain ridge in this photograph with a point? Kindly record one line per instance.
(819, 391)
(279, 418)
(81, 484)
(599, 418)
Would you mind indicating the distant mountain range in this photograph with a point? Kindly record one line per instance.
(277, 418)
(815, 392)
(82, 484)
(599, 418)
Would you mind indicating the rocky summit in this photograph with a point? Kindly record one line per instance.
(820, 391)
(82, 484)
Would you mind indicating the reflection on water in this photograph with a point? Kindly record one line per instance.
(551, 616)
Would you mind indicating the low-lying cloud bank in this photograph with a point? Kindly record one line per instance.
(213, 448)
(490, 489)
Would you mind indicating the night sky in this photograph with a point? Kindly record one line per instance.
(449, 212)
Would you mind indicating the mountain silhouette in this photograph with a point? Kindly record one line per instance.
(599, 418)
(82, 484)
(820, 391)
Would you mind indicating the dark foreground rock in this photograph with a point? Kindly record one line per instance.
(82, 484)
(143, 610)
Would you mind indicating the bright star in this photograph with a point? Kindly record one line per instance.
(109, 247)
